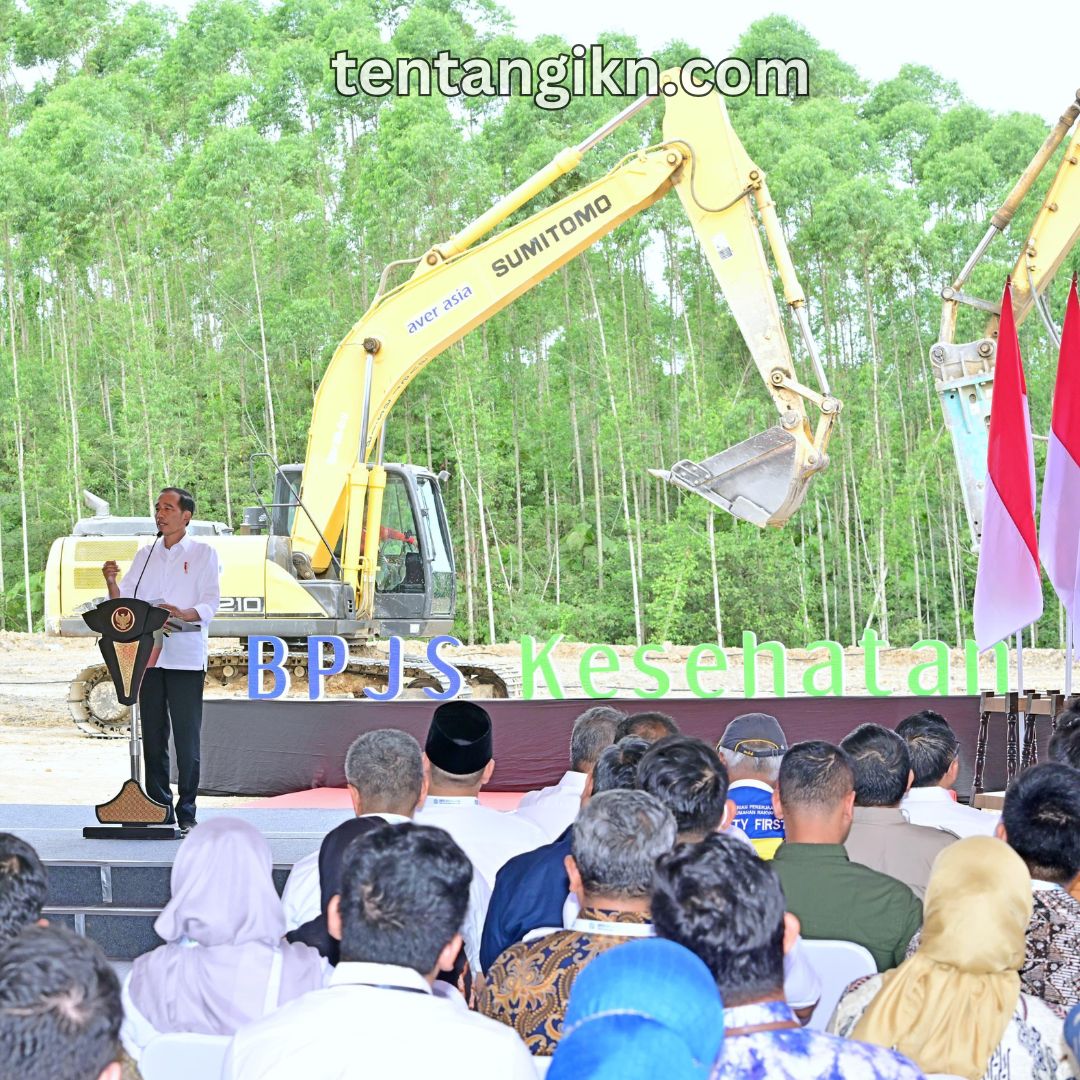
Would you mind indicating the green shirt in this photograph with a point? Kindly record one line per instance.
(836, 898)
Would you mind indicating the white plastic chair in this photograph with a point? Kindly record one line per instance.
(837, 964)
(182, 1057)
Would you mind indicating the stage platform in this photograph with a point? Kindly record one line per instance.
(113, 890)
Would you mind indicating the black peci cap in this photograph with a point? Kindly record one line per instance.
(459, 739)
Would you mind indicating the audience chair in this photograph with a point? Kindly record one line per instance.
(838, 963)
(184, 1057)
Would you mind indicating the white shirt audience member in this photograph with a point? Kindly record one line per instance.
(935, 807)
(554, 808)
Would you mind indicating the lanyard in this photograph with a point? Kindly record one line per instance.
(391, 986)
(613, 929)
(451, 800)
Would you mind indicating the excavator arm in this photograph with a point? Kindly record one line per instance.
(964, 373)
(459, 284)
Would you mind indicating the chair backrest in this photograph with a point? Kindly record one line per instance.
(837, 964)
(183, 1057)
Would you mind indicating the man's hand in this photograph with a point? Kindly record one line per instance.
(109, 571)
(173, 610)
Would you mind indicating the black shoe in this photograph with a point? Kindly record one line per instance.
(186, 825)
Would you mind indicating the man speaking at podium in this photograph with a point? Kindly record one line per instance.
(180, 575)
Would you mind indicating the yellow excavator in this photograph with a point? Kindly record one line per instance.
(354, 546)
(964, 372)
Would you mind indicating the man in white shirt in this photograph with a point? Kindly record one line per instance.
(182, 576)
(384, 770)
(935, 761)
(554, 808)
(403, 896)
(460, 762)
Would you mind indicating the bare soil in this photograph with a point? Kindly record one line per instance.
(44, 758)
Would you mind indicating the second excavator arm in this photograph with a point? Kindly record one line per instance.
(462, 282)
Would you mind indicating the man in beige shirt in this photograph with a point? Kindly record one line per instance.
(881, 837)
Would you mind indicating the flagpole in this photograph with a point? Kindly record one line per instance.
(1068, 653)
(1020, 711)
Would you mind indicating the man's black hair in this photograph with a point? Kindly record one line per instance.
(404, 892)
(816, 775)
(1064, 745)
(932, 745)
(23, 885)
(183, 496)
(1041, 816)
(881, 762)
(688, 777)
(722, 902)
(60, 1009)
(616, 767)
(646, 725)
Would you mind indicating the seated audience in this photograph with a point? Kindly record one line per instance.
(554, 808)
(60, 1008)
(646, 1009)
(956, 1006)
(724, 904)
(403, 897)
(881, 837)
(832, 896)
(751, 748)
(224, 962)
(935, 762)
(617, 838)
(460, 762)
(385, 774)
(1041, 823)
(649, 726)
(23, 885)
(531, 889)
(1064, 746)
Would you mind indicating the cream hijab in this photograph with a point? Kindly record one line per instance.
(947, 1007)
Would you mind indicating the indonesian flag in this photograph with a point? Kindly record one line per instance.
(1008, 592)
(1059, 523)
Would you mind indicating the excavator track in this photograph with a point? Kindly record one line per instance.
(96, 712)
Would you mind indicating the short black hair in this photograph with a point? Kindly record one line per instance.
(722, 902)
(1064, 745)
(593, 730)
(932, 744)
(646, 725)
(881, 762)
(616, 767)
(185, 498)
(1041, 815)
(815, 774)
(60, 1009)
(404, 892)
(23, 885)
(688, 777)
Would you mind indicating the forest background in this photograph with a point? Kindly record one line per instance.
(191, 219)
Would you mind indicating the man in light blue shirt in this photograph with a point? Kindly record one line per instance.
(724, 904)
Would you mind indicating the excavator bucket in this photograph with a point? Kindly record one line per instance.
(761, 480)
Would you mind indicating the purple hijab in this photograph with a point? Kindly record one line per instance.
(222, 928)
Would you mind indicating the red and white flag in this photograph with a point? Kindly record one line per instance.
(1059, 522)
(1008, 592)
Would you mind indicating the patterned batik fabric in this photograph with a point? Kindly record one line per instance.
(528, 986)
(1032, 1047)
(799, 1053)
(1051, 968)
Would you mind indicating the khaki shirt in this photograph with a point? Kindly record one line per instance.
(883, 839)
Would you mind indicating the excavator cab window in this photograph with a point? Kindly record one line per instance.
(399, 544)
(436, 545)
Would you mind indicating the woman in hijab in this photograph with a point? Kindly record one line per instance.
(224, 962)
(955, 1006)
(645, 1009)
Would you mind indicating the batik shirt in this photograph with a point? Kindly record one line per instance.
(528, 986)
(1032, 1048)
(799, 1053)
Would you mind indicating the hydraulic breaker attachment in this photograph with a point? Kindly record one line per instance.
(761, 479)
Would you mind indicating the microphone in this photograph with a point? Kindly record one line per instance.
(135, 592)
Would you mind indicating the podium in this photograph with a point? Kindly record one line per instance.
(130, 635)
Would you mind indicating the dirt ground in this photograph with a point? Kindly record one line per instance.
(45, 759)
